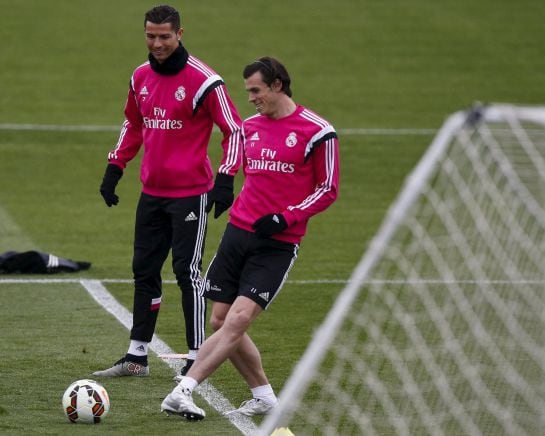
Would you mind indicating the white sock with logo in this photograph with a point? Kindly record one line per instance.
(138, 348)
(265, 393)
(188, 383)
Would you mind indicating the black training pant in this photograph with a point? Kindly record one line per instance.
(163, 224)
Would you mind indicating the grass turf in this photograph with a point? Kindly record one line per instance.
(371, 64)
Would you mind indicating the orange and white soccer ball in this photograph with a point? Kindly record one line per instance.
(85, 401)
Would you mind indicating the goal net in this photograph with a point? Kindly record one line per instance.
(440, 329)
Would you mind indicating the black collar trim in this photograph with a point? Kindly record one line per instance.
(173, 64)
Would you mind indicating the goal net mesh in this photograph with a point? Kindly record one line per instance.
(440, 329)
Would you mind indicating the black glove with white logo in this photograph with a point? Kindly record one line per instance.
(109, 182)
(268, 225)
(222, 194)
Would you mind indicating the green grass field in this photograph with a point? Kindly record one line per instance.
(361, 64)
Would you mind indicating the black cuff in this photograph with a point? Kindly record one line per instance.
(225, 181)
(113, 172)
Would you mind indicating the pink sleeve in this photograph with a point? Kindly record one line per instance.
(226, 117)
(326, 172)
(130, 138)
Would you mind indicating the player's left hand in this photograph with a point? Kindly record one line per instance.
(268, 225)
(222, 194)
(110, 180)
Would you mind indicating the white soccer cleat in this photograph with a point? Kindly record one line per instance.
(253, 407)
(180, 402)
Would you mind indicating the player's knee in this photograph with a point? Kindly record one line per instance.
(149, 286)
(216, 322)
(238, 321)
(218, 314)
(181, 267)
(183, 278)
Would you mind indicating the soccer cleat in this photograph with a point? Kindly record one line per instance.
(253, 407)
(124, 367)
(178, 378)
(180, 402)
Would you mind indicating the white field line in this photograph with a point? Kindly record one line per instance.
(208, 392)
(302, 282)
(105, 128)
(79, 279)
(59, 127)
(101, 295)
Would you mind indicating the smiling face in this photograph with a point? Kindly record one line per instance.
(161, 40)
(264, 97)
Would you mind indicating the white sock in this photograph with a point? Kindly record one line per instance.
(189, 383)
(138, 348)
(192, 354)
(265, 393)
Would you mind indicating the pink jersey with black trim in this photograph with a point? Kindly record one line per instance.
(291, 166)
(173, 117)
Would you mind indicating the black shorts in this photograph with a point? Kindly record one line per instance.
(250, 266)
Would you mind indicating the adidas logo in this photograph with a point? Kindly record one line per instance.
(255, 137)
(264, 295)
(140, 348)
(144, 91)
(191, 217)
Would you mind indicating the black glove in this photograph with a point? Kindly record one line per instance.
(270, 224)
(109, 182)
(221, 194)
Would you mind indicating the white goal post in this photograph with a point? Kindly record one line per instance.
(441, 327)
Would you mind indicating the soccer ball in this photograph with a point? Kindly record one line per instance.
(85, 401)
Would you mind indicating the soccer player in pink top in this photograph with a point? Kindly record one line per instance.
(291, 168)
(173, 102)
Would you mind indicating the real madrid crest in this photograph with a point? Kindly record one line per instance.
(180, 93)
(291, 139)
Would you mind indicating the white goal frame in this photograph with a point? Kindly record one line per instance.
(304, 371)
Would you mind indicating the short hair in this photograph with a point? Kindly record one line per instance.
(270, 69)
(163, 14)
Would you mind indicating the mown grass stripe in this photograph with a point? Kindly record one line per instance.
(208, 392)
(11, 232)
(366, 131)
